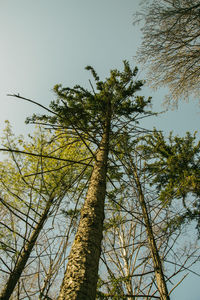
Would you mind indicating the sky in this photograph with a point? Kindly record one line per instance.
(46, 42)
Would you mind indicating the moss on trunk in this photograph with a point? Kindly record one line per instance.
(80, 280)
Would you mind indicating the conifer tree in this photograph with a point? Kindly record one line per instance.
(97, 117)
(173, 163)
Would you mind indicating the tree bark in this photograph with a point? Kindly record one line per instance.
(158, 268)
(24, 256)
(81, 275)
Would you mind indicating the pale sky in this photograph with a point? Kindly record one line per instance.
(45, 42)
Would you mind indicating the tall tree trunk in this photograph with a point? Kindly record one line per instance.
(160, 279)
(81, 275)
(24, 256)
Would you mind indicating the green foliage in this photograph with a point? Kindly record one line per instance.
(28, 182)
(79, 109)
(174, 168)
(42, 174)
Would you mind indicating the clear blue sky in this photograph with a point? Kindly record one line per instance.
(45, 42)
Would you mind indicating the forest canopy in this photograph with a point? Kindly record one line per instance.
(88, 202)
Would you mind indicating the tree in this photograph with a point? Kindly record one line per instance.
(32, 188)
(98, 117)
(135, 179)
(173, 165)
(170, 46)
(158, 267)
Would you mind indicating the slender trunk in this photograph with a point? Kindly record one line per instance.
(81, 275)
(24, 256)
(160, 279)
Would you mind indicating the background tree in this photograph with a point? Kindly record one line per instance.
(32, 189)
(136, 180)
(173, 165)
(170, 45)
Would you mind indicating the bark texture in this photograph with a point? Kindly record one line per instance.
(160, 279)
(81, 274)
(25, 254)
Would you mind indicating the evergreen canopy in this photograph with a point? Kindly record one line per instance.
(81, 109)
